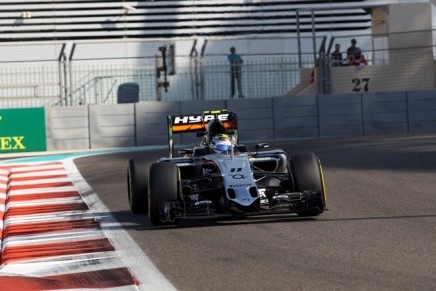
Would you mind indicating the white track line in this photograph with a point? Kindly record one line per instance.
(149, 277)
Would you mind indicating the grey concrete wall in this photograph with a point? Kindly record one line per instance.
(151, 124)
(422, 111)
(385, 113)
(295, 116)
(340, 114)
(67, 128)
(112, 126)
(255, 118)
(142, 124)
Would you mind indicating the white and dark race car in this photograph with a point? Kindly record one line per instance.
(219, 177)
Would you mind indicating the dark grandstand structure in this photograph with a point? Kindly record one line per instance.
(45, 20)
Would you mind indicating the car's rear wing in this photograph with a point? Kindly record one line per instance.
(197, 123)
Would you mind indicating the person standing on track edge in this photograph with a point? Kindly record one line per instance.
(235, 71)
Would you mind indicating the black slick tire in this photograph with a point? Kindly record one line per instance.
(137, 185)
(307, 175)
(164, 185)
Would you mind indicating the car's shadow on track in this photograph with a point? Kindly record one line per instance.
(139, 222)
(399, 217)
(242, 220)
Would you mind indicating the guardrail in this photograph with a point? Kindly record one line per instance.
(143, 124)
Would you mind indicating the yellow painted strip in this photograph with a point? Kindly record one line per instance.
(324, 192)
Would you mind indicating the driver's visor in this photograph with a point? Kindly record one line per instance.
(222, 147)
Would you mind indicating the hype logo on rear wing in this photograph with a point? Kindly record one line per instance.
(195, 122)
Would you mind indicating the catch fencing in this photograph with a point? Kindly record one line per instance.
(394, 62)
(68, 74)
(194, 69)
(31, 75)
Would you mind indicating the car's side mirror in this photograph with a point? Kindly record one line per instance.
(185, 152)
(261, 146)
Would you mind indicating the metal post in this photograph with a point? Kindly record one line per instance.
(61, 76)
(65, 68)
(70, 67)
(299, 40)
(313, 36)
(193, 70)
(321, 64)
(159, 64)
(328, 82)
(96, 93)
(197, 82)
(203, 48)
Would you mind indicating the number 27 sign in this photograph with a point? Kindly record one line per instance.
(360, 84)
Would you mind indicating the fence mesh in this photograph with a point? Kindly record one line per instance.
(53, 74)
(394, 62)
(30, 75)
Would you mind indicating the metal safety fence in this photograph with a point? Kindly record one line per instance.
(65, 74)
(111, 72)
(401, 61)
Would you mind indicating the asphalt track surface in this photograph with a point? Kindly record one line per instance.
(379, 232)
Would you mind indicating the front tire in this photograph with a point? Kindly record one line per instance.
(164, 185)
(307, 175)
(137, 185)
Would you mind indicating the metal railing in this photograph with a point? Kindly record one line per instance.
(61, 74)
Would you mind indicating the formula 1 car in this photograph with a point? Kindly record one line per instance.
(204, 183)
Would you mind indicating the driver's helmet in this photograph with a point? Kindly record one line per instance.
(221, 143)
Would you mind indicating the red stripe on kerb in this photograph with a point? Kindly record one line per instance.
(43, 185)
(34, 165)
(44, 227)
(23, 167)
(48, 250)
(20, 179)
(49, 208)
(111, 278)
(28, 197)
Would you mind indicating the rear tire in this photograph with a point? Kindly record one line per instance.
(164, 184)
(307, 175)
(137, 185)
